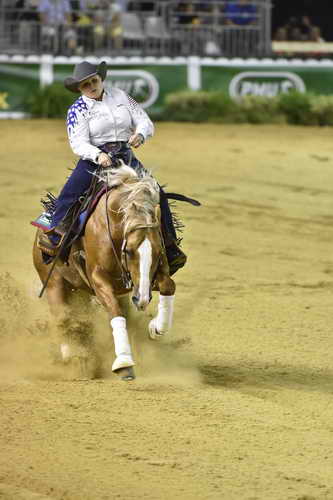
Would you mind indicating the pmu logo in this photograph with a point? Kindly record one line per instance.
(264, 83)
(139, 84)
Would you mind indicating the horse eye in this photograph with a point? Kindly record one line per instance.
(129, 253)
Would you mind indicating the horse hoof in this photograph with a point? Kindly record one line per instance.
(126, 374)
(154, 334)
(122, 361)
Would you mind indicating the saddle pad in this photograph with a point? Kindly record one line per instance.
(43, 221)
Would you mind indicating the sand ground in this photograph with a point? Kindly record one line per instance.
(237, 403)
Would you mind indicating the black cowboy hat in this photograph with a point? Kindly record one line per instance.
(82, 71)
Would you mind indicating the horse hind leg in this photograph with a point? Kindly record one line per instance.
(65, 328)
(76, 331)
(74, 334)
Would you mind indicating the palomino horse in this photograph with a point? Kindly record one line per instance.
(123, 251)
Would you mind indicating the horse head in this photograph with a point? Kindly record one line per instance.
(143, 255)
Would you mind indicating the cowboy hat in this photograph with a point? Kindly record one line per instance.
(82, 71)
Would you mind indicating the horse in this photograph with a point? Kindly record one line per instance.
(120, 252)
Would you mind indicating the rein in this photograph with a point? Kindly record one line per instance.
(125, 275)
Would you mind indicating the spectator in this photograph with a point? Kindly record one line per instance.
(55, 12)
(240, 13)
(309, 32)
(56, 19)
(121, 5)
(315, 35)
(87, 5)
(76, 7)
(305, 27)
(99, 29)
(115, 31)
(27, 10)
(188, 15)
(84, 31)
(27, 16)
(138, 5)
(281, 34)
(292, 28)
(299, 30)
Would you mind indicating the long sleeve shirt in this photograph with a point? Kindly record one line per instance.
(116, 117)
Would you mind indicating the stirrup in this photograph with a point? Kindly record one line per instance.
(50, 241)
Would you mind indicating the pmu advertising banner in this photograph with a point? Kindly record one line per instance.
(267, 81)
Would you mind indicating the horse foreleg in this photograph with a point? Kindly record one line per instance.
(105, 293)
(121, 343)
(162, 322)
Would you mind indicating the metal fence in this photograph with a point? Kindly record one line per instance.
(168, 28)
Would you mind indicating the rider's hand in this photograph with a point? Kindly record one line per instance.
(136, 140)
(104, 160)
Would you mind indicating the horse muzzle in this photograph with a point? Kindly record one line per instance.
(141, 303)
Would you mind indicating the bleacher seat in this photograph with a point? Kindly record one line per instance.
(131, 27)
(157, 35)
(155, 28)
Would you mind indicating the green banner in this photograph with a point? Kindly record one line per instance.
(267, 81)
(150, 83)
(17, 83)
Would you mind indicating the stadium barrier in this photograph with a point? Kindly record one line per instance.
(170, 28)
(150, 79)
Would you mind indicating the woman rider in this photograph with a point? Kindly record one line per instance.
(102, 121)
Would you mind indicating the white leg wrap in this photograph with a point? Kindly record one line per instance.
(162, 322)
(121, 344)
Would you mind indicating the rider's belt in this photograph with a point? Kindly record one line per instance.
(114, 146)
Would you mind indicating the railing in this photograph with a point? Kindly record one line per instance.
(171, 29)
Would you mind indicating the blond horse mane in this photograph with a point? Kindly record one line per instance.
(139, 195)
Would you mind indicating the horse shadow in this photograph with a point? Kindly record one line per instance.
(267, 376)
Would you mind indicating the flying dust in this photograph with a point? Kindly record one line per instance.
(30, 337)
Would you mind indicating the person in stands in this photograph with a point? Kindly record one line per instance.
(103, 121)
(240, 13)
(56, 19)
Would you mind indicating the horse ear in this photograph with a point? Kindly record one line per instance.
(158, 213)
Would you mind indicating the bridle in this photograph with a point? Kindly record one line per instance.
(122, 262)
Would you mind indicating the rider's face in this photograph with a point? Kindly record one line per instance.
(92, 87)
